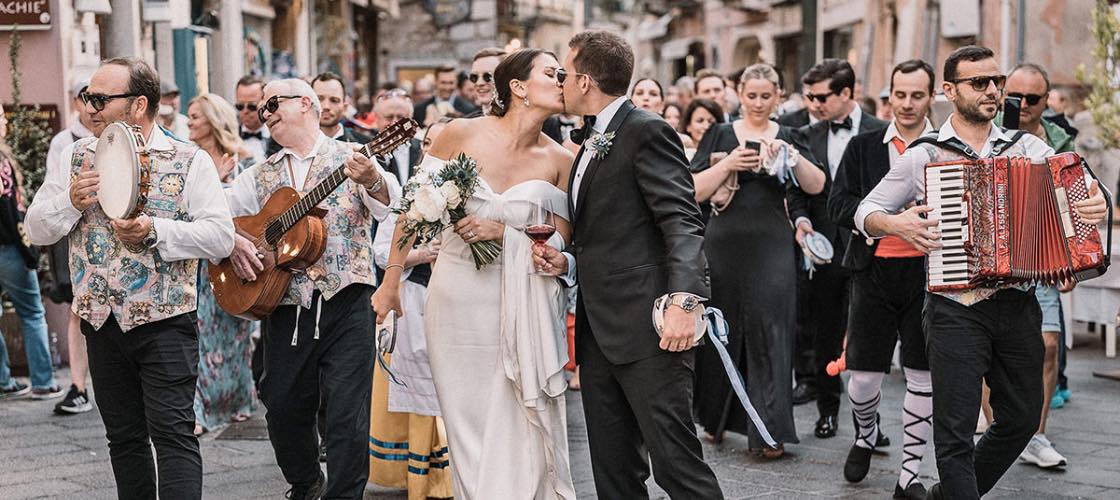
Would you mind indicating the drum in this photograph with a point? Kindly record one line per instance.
(817, 247)
(121, 160)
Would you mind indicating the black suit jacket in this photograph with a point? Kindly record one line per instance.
(797, 119)
(865, 162)
(815, 207)
(420, 110)
(636, 234)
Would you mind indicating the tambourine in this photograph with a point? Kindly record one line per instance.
(121, 160)
(662, 303)
(817, 248)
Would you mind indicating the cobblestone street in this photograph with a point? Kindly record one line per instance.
(47, 456)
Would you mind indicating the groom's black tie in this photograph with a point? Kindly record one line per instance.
(579, 134)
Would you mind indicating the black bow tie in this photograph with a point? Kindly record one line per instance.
(846, 124)
(579, 134)
(249, 135)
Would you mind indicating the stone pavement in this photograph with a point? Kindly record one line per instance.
(46, 456)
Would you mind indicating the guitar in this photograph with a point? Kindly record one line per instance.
(289, 231)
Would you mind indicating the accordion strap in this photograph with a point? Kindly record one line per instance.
(955, 145)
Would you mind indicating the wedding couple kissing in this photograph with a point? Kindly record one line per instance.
(627, 232)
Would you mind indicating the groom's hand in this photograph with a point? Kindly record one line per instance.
(549, 260)
(679, 329)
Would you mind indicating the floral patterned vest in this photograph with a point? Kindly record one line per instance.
(954, 150)
(348, 256)
(137, 288)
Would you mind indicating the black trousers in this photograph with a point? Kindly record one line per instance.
(998, 340)
(338, 368)
(804, 366)
(639, 409)
(827, 311)
(886, 306)
(145, 383)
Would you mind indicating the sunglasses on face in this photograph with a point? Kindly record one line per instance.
(980, 83)
(562, 75)
(821, 98)
(242, 105)
(272, 104)
(98, 101)
(1031, 99)
(486, 77)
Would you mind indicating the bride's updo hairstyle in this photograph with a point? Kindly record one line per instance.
(516, 66)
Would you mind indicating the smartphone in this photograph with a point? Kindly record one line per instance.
(757, 147)
(1011, 108)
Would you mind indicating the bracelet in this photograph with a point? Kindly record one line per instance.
(390, 266)
(376, 187)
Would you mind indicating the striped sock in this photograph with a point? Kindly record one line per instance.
(917, 424)
(864, 393)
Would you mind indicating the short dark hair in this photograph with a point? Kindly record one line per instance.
(970, 53)
(518, 66)
(389, 85)
(1033, 68)
(490, 52)
(329, 76)
(444, 69)
(142, 81)
(248, 80)
(708, 105)
(706, 73)
(911, 66)
(606, 58)
(671, 105)
(660, 89)
(839, 73)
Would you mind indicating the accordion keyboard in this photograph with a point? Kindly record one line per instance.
(948, 265)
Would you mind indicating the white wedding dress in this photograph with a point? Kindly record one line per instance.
(497, 347)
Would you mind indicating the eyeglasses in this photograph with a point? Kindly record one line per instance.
(980, 83)
(98, 101)
(562, 75)
(390, 94)
(487, 77)
(272, 104)
(821, 98)
(1031, 99)
(242, 105)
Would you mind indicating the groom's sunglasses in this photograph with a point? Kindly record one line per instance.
(562, 75)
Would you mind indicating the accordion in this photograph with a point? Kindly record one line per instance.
(1006, 221)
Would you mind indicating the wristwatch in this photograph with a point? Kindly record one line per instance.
(686, 301)
(150, 240)
(376, 187)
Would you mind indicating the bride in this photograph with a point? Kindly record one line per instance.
(496, 337)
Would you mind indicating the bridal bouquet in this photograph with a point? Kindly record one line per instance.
(433, 200)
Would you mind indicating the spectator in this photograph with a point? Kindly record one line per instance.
(465, 86)
(444, 101)
(169, 116)
(684, 92)
(647, 94)
(331, 91)
(248, 94)
(710, 85)
(699, 116)
(672, 112)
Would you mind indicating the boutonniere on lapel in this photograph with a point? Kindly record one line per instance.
(600, 145)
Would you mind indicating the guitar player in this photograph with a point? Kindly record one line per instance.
(319, 340)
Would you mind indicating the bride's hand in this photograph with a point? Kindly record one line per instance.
(474, 229)
(385, 299)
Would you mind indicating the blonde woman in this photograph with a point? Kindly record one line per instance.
(225, 384)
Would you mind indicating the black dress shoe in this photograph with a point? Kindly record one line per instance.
(804, 393)
(313, 491)
(913, 492)
(826, 427)
(882, 441)
(858, 463)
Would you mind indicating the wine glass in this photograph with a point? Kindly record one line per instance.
(540, 224)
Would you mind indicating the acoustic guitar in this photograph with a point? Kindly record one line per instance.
(289, 231)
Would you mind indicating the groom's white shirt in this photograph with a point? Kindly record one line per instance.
(602, 121)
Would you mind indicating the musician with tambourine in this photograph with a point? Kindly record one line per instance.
(319, 340)
(973, 333)
(139, 208)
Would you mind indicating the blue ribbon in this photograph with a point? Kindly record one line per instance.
(717, 332)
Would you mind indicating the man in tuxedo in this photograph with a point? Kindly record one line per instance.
(247, 95)
(331, 91)
(445, 97)
(829, 85)
(637, 388)
(888, 287)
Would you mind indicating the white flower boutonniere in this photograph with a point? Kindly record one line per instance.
(601, 145)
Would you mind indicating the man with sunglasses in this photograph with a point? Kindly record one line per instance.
(482, 76)
(1030, 83)
(829, 85)
(134, 282)
(318, 343)
(247, 96)
(990, 334)
(445, 99)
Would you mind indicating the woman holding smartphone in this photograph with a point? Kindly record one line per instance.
(753, 270)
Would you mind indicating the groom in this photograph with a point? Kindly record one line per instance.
(637, 234)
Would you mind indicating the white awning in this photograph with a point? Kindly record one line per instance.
(654, 28)
(677, 48)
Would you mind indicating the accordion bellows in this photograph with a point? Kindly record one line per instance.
(1005, 221)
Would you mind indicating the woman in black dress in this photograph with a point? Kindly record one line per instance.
(753, 273)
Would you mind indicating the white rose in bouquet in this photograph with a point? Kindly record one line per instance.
(451, 194)
(414, 214)
(430, 202)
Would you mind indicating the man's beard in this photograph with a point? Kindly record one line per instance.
(973, 113)
(330, 123)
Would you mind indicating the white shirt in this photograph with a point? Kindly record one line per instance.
(838, 140)
(242, 192)
(59, 143)
(208, 234)
(257, 147)
(339, 133)
(892, 133)
(602, 120)
(400, 156)
(906, 179)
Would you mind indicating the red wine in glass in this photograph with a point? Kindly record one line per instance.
(540, 233)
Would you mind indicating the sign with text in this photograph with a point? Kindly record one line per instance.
(48, 114)
(27, 14)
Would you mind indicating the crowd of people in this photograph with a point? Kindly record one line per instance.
(715, 185)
